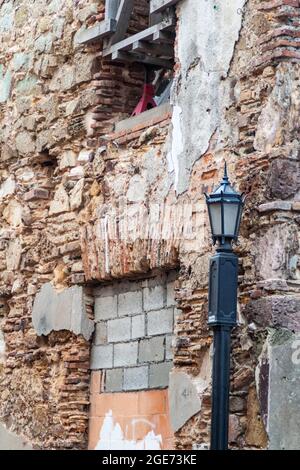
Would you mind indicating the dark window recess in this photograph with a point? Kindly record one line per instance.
(152, 46)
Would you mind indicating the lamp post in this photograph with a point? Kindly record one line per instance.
(225, 207)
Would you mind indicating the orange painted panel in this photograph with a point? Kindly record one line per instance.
(130, 421)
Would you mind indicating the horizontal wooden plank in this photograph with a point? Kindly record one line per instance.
(146, 34)
(165, 37)
(98, 31)
(123, 56)
(151, 115)
(159, 5)
(161, 50)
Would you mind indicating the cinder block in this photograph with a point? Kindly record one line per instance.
(170, 294)
(118, 330)
(104, 291)
(125, 354)
(106, 308)
(152, 350)
(169, 347)
(130, 303)
(160, 321)
(159, 375)
(114, 380)
(136, 378)
(138, 327)
(102, 357)
(154, 297)
(101, 333)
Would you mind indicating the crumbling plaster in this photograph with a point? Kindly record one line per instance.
(205, 49)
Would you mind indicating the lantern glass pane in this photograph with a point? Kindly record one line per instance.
(216, 218)
(231, 214)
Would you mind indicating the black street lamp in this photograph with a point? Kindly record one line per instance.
(225, 207)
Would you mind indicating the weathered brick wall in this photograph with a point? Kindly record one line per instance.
(81, 203)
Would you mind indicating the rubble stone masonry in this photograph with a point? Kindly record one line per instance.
(91, 206)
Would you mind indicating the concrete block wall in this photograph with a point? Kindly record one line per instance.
(133, 336)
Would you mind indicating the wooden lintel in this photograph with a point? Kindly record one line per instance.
(98, 31)
(123, 56)
(161, 50)
(111, 9)
(165, 37)
(146, 34)
(122, 18)
(157, 6)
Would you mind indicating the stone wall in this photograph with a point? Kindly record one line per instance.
(81, 202)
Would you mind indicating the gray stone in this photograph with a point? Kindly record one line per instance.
(136, 378)
(275, 205)
(184, 400)
(152, 350)
(125, 354)
(5, 86)
(284, 178)
(25, 143)
(87, 11)
(119, 330)
(58, 27)
(13, 255)
(137, 189)
(284, 394)
(60, 202)
(106, 308)
(7, 187)
(6, 17)
(43, 43)
(76, 195)
(102, 357)
(114, 380)
(84, 68)
(154, 297)
(159, 375)
(2, 347)
(160, 321)
(10, 441)
(101, 333)
(138, 326)
(27, 86)
(275, 311)
(56, 311)
(68, 160)
(130, 303)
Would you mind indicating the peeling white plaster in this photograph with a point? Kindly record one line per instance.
(177, 143)
(205, 55)
(112, 436)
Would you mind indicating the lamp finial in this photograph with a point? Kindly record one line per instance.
(225, 177)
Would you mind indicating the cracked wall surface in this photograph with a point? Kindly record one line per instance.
(85, 203)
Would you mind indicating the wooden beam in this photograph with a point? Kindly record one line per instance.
(122, 18)
(111, 9)
(122, 56)
(165, 37)
(162, 50)
(157, 6)
(98, 31)
(145, 35)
